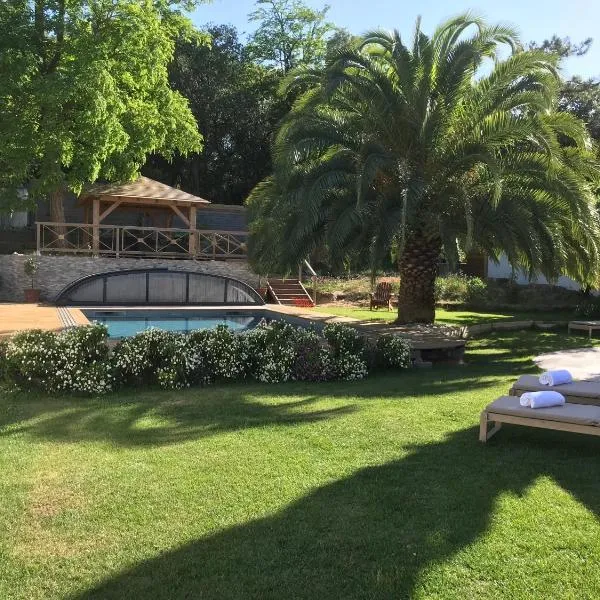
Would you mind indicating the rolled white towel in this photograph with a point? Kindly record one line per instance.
(544, 399)
(525, 399)
(557, 377)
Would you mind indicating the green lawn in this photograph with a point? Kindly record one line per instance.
(375, 489)
(449, 317)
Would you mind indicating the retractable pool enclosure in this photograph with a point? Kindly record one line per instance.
(158, 287)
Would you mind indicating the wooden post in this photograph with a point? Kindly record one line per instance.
(193, 235)
(96, 225)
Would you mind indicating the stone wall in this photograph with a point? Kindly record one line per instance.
(56, 272)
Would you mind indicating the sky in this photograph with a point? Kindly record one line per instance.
(534, 19)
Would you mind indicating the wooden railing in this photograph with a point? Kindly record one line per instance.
(125, 240)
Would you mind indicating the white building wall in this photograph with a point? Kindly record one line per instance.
(503, 270)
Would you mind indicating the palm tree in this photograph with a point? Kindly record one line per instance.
(432, 149)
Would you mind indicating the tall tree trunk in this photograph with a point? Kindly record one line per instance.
(418, 270)
(57, 215)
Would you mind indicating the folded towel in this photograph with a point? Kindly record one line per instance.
(544, 399)
(557, 377)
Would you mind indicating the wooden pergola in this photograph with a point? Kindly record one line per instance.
(144, 193)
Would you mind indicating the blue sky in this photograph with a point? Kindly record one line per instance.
(535, 19)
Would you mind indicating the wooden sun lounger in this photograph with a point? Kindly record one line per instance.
(578, 392)
(577, 418)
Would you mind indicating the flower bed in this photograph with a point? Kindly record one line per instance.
(78, 359)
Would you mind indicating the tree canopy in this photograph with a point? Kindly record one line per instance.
(417, 145)
(578, 96)
(235, 102)
(233, 93)
(289, 34)
(84, 92)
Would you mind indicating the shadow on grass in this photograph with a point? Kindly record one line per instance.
(371, 535)
(153, 417)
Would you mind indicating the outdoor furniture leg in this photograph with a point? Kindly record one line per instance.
(484, 434)
(483, 427)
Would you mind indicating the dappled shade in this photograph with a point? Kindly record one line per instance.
(372, 534)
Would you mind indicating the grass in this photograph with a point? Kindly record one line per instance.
(374, 489)
(458, 317)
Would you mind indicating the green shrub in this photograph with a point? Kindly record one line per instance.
(392, 352)
(476, 290)
(3, 360)
(155, 357)
(460, 288)
(30, 267)
(349, 367)
(348, 352)
(313, 360)
(219, 355)
(78, 359)
(271, 351)
(71, 361)
(590, 309)
(344, 339)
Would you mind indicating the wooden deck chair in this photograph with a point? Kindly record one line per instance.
(577, 418)
(382, 296)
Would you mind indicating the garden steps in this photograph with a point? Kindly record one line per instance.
(289, 292)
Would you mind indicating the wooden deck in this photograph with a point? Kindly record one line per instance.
(428, 342)
(18, 317)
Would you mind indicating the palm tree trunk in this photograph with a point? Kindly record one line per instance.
(418, 270)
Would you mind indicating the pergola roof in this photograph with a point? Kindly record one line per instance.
(142, 191)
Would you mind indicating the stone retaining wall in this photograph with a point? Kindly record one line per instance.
(56, 272)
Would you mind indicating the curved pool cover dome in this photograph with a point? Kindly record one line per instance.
(158, 287)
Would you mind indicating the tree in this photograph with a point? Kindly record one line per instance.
(289, 34)
(84, 93)
(419, 146)
(581, 97)
(236, 105)
(563, 47)
(578, 96)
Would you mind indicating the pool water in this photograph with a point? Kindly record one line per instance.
(125, 323)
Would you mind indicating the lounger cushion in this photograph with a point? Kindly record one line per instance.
(580, 414)
(582, 389)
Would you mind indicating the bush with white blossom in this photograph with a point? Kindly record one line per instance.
(3, 363)
(155, 356)
(349, 352)
(78, 359)
(219, 355)
(73, 360)
(271, 352)
(313, 357)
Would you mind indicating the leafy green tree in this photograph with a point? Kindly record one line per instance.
(289, 34)
(581, 97)
(338, 41)
(84, 93)
(578, 96)
(435, 147)
(236, 105)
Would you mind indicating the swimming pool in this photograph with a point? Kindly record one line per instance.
(125, 323)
